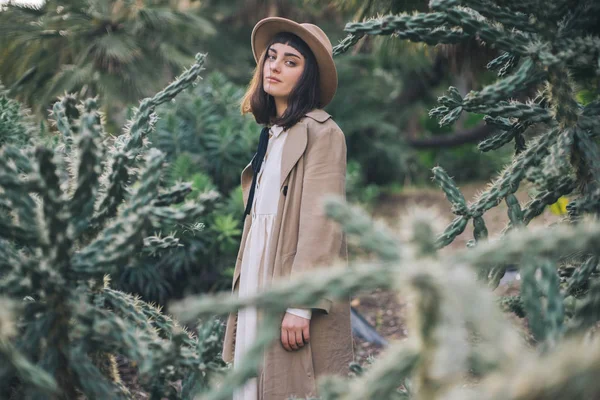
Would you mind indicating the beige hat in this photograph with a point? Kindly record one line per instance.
(316, 40)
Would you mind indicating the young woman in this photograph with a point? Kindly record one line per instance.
(301, 158)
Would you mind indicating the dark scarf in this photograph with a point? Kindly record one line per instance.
(256, 163)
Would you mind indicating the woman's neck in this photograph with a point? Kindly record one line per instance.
(280, 106)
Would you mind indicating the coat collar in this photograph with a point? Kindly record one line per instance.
(293, 148)
(318, 115)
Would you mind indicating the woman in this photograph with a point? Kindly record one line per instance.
(301, 158)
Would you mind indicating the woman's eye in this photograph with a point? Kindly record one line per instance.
(292, 64)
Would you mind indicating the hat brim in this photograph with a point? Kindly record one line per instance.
(265, 29)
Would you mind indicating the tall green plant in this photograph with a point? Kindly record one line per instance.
(119, 50)
(70, 219)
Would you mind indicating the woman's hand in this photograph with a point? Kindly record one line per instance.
(294, 332)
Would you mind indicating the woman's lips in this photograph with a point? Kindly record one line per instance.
(273, 80)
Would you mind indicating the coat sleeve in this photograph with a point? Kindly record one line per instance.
(320, 238)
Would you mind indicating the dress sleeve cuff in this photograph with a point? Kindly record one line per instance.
(301, 312)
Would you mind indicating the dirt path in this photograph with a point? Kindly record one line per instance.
(384, 309)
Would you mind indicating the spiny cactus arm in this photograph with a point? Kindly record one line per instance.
(515, 214)
(565, 108)
(557, 163)
(430, 28)
(459, 207)
(525, 75)
(507, 133)
(504, 63)
(127, 307)
(346, 44)
(549, 243)
(57, 241)
(536, 206)
(544, 316)
(164, 324)
(88, 170)
(474, 24)
(554, 308)
(175, 195)
(511, 176)
(127, 146)
(105, 331)
(337, 281)
(480, 231)
(571, 51)
(455, 228)
(94, 384)
(491, 99)
(143, 120)
(507, 17)
(115, 244)
(357, 223)
(181, 359)
(452, 192)
(115, 189)
(65, 114)
(144, 315)
(17, 179)
(112, 334)
(582, 274)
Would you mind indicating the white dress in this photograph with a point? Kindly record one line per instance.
(264, 210)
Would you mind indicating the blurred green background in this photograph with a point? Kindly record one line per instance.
(122, 51)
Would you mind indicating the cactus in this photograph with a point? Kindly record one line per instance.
(70, 218)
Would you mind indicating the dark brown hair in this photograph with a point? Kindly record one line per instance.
(304, 97)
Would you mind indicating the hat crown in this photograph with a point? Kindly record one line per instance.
(320, 35)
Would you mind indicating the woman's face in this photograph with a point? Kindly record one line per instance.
(282, 70)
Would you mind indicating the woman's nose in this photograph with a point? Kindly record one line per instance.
(274, 65)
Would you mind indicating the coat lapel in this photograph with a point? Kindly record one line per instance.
(293, 148)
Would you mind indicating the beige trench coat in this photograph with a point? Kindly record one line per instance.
(313, 164)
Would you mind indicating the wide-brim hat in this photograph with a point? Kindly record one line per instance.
(313, 36)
